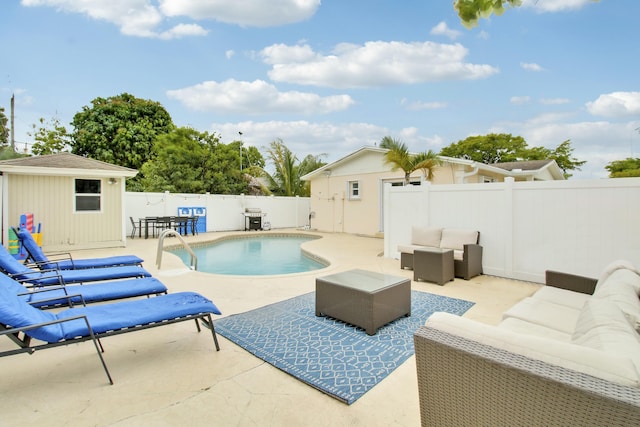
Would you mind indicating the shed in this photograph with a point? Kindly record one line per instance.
(79, 202)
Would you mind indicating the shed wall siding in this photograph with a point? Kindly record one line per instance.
(51, 200)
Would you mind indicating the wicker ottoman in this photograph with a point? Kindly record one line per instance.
(433, 265)
(363, 298)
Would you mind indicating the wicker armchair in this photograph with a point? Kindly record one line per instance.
(462, 382)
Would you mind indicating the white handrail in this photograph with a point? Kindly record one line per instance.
(194, 258)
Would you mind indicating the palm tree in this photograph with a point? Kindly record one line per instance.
(286, 180)
(399, 156)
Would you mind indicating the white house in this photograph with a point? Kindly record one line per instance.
(347, 195)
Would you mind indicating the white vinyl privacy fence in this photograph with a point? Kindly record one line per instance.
(527, 227)
(219, 212)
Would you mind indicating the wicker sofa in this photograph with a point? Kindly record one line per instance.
(467, 253)
(568, 355)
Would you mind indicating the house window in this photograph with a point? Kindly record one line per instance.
(88, 195)
(354, 190)
(487, 179)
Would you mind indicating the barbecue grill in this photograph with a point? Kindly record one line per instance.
(253, 218)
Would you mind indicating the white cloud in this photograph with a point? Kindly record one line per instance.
(375, 63)
(303, 137)
(556, 5)
(443, 30)
(421, 105)
(254, 13)
(229, 54)
(616, 104)
(520, 100)
(142, 18)
(531, 66)
(554, 101)
(257, 97)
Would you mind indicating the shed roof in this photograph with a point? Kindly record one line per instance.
(64, 164)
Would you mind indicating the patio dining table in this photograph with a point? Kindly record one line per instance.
(181, 224)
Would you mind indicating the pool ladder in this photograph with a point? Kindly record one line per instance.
(170, 232)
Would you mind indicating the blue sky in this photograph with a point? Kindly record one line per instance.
(332, 77)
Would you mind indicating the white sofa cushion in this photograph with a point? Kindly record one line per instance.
(561, 296)
(545, 313)
(622, 287)
(426, 236)
(523, 327)
(453, 238)
(603, 326)
(612, 367)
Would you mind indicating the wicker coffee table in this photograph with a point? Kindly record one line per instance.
(363, 298)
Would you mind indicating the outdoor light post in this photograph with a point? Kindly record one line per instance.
(240, 151)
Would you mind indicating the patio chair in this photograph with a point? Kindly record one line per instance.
(55, 296)
(23, 323)
(64, 261)
(21, 272)
(134, 227)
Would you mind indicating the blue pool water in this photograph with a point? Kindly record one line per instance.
(253, 256)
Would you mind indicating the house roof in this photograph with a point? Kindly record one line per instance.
(513, 169)
(64, 164)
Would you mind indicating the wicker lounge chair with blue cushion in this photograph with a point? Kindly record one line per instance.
(65, 261)
(53, 296)
(23, 323)
(21, 272)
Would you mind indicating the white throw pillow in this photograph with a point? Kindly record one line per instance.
(603, 326)
(621, 288)
(453, 238)
(426, 236)
(613, 266)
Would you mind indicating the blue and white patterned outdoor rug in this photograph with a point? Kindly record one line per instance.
(332, 356)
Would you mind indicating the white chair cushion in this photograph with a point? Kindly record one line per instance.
(453, 238)
(426, 236)
(617, 368)
(603, 326)
(622, 287)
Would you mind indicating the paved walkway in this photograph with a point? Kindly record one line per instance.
(172, 375)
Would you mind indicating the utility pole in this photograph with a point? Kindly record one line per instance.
(13, 125)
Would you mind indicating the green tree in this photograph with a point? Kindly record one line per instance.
(49, 137)
(627, 168)
(496, 148)
(491, 148)
(4, 128)
(120, 130)
(400, 157)
(562, 154)
(286, 180)
(470, 11)
(188, 161)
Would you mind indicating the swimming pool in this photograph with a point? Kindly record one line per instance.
(253, 256)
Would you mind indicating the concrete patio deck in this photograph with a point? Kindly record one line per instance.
(172, 375)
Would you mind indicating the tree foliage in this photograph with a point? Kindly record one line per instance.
(4, 128)
(286, 180)
(626, 168)
(400, 158)
(470, 11)
(120, 130)
(49, 137)
(188, 161)
(496, 148)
